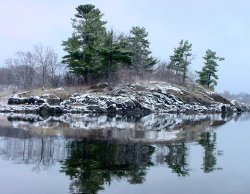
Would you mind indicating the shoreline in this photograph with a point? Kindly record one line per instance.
(125, 99)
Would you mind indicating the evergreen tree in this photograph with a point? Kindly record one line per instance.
(142, 59)
(73, 58)
(181, 59)
(114, 51)
(207, 76)
(82, 47)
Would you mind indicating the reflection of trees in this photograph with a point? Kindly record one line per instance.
(208, 142)
(177, 159)
(22, 147)
(91, 164)
(93, 157)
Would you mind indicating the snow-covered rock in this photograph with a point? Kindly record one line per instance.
(128, 99)
(27, 100)
(46, 109)
(51, 99)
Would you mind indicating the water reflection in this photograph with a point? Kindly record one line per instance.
(150, 129)
(42, 153)
(208, 142)
(91, 164)
(177, 159)
(95, 154)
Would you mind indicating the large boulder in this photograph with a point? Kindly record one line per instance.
(13, 101)
(225, 108)
(46, 109)
(240, 107)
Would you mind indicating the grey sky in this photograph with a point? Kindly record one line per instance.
(220, 25)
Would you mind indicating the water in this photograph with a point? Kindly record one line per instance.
(172, 154)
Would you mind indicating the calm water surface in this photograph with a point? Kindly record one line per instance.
(155, 154)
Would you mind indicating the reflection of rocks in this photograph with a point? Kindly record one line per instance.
(217, 123)
(151, 128)
(30, 118)
(91, 164)
(96, 150)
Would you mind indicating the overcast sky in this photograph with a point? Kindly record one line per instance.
(220, 25)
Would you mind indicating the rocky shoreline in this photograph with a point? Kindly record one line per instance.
(129, 99)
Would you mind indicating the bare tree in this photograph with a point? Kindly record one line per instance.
(163, 72)
(48, 65)
(42, 57)
(42, 63)
(22, 70)
(5, 76)
(54, 68)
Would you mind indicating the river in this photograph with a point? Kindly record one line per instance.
(170, 154)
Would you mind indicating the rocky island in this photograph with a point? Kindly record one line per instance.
(125, 99)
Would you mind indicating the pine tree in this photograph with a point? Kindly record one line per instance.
(208, 76)
(114, 51)
(141, 59)
(82, 48)
(181, 59)
(74, 55)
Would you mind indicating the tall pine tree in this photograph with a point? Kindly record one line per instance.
(181, 59)
(142, 58)
(82, 48)
(208, 76)
(114, 51)
(73, 58)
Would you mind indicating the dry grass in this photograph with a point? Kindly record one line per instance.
(63, 93)
(4, 96)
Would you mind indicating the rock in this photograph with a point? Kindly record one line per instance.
(118, 92)
(22, 101)
(129, 104)
(13, 101)
(120, 106)
(223, 108)
(138, 99)
(35, 100)
(240, 107)
(96, 108)
(57, 110)
(111, 108)
(46, 109)
(51, 99)
(137, 103)
(226, 108)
